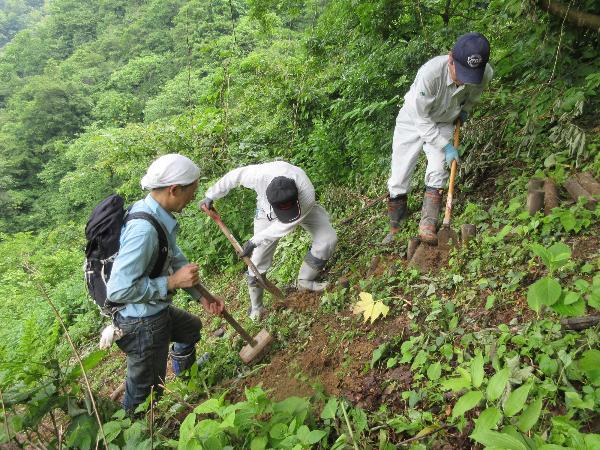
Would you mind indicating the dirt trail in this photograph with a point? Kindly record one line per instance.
(335, 358)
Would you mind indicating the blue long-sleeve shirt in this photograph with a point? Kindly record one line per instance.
(129, 281)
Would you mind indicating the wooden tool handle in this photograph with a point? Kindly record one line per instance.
(266, 284)
(448, 212)
(234, 323)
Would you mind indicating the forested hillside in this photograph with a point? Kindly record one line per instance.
(471, 354)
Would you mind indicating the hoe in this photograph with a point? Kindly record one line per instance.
(256, 347)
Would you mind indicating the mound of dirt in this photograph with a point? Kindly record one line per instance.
(334, 360)
(299, 301)
(430, 258)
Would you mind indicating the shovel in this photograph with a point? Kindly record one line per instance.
(256, 346)
(446, 234)
(264, 283)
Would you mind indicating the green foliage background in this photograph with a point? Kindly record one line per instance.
(91, 92)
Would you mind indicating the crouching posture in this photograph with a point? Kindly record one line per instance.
(285, 199)
(447, 87)
(147, 319)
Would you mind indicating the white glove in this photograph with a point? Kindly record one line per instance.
(109, 335)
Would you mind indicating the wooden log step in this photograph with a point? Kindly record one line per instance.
(551, 200)
(576, 191)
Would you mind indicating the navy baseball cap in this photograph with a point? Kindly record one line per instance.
(282, 194)
(470, 54)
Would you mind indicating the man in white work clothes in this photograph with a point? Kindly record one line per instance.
(285, 198)
(446, 87)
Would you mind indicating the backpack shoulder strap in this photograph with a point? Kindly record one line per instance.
(163, 243)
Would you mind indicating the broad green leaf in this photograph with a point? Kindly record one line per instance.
(186, 430)
(581, 285)
(315, 436)
(544, 254)
(359, 419)
(545, 291)
(330, 409)
(530, 415)
(497, 384)
(561, 253)
(516, 400)
(111, 430)
(574, 400)
(548, 365)
(466, 403)
(259, 443)
(211, 405)
(568, 220)
(89, 362)
(589, 364)
(592, 441)
(302, 434)
(553, 447)
(279, 431)
(594, 298)
(455, 384)
(573, 310)
(477, 370)
(489, 418)
(419, 360)
(498, 440)
(434, 371)
(378, 353)
(571, 297)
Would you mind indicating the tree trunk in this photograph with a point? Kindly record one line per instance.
(574, 16)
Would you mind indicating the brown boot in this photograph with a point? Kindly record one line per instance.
(429, 215)
(397, 213)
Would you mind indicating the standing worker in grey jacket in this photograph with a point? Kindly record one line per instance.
(285, 199)
(446, 87)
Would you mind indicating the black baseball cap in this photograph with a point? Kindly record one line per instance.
(470, 54)
(282, 194)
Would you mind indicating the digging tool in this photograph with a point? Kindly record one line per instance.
(445, 234)
(266, 284)
(256, 346)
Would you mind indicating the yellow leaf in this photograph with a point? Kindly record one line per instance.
(369, 308)
(379, 309)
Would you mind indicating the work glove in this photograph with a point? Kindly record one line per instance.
(463, 116)
(208, 202)
(451, 154)
(249, 247)
(109, 335)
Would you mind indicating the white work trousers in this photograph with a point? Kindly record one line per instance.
(317, 224)
(406, 147)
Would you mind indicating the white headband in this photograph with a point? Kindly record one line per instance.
(169, 170)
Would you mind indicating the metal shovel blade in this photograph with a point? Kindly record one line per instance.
(447, 235)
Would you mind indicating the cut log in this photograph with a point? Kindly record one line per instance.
(576, 191)
(580, 323)
(589, 183)
(550, 196)
(412, 247)
(467, 232)
(535, 183)
(535, 201)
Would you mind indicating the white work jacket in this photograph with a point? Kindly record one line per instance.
(434, 98)
(257, 177)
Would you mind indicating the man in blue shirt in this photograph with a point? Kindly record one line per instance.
(148, 320)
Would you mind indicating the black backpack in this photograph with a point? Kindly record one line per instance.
(103, 232)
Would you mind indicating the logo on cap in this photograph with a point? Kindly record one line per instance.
(474, 60)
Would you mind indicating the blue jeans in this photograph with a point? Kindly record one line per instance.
(146, 343)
